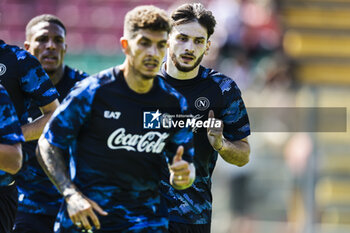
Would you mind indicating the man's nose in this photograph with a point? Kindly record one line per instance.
(153, 50)
(51, 44)
(189, 47)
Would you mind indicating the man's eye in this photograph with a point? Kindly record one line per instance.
(59, 40)
(182, 38)
(144, 43)
(41, 39)
(162, 45)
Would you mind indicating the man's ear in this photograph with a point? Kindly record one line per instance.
(124, 44)
(207, 47)
(26, 45)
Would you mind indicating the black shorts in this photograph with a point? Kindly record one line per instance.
(8, 207)
(33, 223)
(175, 227)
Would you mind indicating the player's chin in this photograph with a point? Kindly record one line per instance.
(50, 68)
(185, 67)
(149, 74)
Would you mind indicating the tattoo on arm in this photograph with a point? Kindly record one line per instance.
(51, 159)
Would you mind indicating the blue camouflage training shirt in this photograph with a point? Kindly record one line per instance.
(120, 148)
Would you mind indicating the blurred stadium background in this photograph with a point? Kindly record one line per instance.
(283, 53)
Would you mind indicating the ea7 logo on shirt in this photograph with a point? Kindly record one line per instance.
(2, 69)
(202, 103)
(110, 114)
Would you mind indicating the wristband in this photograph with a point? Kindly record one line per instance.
(68, 193)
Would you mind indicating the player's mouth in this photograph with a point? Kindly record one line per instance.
(187, 58)
(151, 64)
(49, 58)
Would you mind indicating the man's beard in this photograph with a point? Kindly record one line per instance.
(147, 77)
(143, 76)
(183, 68)
(51, 71)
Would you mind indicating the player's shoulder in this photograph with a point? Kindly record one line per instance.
(106, 76)
(75, 74)
(172, 93)
(12, 52)
(216, 76)
(101, 78)
(92, 83)
(20, 53)
(224, 82)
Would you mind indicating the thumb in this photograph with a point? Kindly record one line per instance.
(97, 208)
(178, 155)
(211, 114)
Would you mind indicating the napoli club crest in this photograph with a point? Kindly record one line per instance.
(202, 103)
(2, 69)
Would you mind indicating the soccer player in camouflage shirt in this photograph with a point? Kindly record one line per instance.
(209, 95)
(39, 200)
(26, 82)
(118, 156)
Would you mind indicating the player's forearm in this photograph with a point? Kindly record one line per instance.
(235, 152)
(10, 158)
(33, 130)
(52, 161)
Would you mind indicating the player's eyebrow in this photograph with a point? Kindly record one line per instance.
(149, 40)
(200, 38)
(195, 37)
(162, 41)
(145, 38)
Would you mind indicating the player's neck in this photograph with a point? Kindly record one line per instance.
(55, 77)
(134, 80)
(177, 74)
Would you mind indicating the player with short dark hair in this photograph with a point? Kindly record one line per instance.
(39, 200)
(120, 147)
(10, 160)
(209, 95)
(43, 18)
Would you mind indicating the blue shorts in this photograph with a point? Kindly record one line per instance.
(8, 207)
(176, 227)
(33, 223)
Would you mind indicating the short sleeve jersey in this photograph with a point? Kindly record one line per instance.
(24, 79)
(10, 129)
(36, 193)
(209, 90)
(118, 157)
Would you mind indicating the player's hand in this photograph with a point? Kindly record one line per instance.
(215, 135)
(81, 211)
(179, 170)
